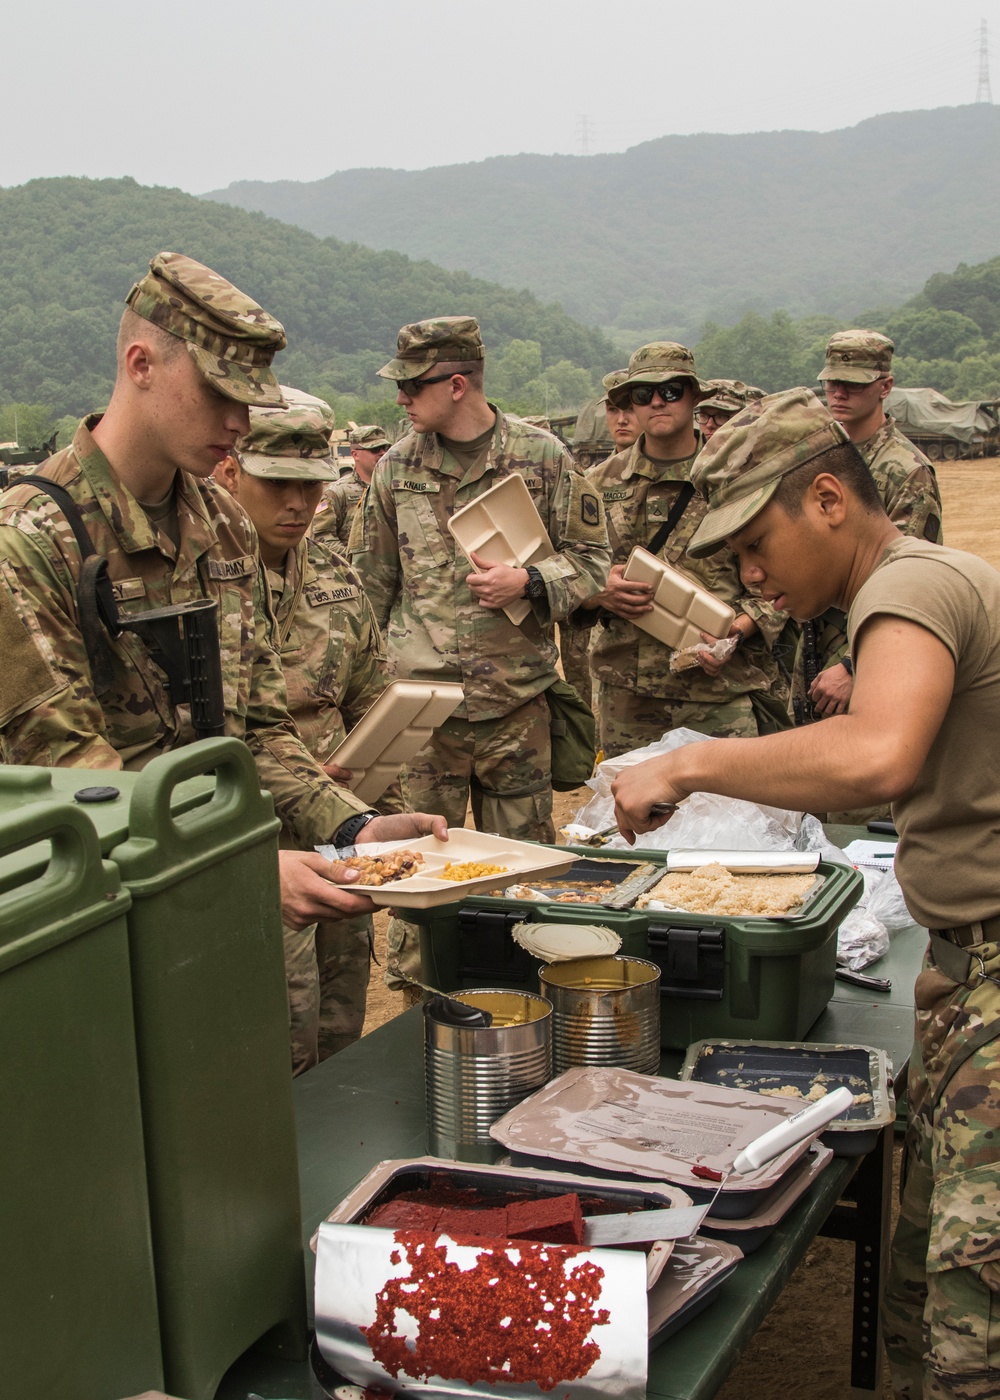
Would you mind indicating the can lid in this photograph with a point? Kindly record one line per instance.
(562, 942)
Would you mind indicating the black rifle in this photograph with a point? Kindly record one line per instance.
(802, 705)
(183, 639)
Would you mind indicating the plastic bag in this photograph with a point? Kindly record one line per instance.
(688, 657)
(887, 904)
(599, 813)
(861, 939)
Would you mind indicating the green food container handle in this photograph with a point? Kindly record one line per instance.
(155, 831)
(73, 890)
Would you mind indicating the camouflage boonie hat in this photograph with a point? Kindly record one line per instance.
(291, 444)
(368, 435)
(231, 339)
(740, 468)
(857, 357)
(443, 340)
(613, 380)
(729, 395)
(656, 364)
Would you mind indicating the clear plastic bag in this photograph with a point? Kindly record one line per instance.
(886, 903)
(688, 657)
(861, 939)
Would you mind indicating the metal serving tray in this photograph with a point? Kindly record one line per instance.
(802, 911)
(751, 1232)
(762, 1065)
(629, 879)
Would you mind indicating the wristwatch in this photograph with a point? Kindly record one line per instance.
(535, 587)
(847, 664)
(347, 832)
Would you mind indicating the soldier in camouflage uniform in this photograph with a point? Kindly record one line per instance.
(639, 698)
(724, 398)
(444, 617)
(336, 509)
(575, 633)
(193, 353)
(858, 377)
(332, 658)
(809, 526)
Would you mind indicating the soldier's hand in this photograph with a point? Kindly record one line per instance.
(307, 893)
(338, 774)
(624, 597)
(740, 630)
(401, 826)
(831, 691)
(496, 585)
(639, 788)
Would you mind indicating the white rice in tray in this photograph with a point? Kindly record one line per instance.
(712, 889)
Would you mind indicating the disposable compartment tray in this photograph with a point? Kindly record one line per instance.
(682, 608)
(503, 526)
(696, 1271)
(758, 1065)
(392, 731)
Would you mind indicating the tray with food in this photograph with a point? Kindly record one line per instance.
(612, 884)
(512, 1202)
(425, 872)
(714, 890)
(392, 731)
(503, 526)
(799, 1072)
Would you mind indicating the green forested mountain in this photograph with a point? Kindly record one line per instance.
(71, 248)
(688, 228)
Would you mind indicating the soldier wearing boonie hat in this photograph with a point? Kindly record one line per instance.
(333, 662)
(857, 375)
(368, 442)
(137, 476)
(444, 615)
(651, 503)
(811, 527)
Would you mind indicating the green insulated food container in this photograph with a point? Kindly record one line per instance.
(78, 1308)
(211, 1018)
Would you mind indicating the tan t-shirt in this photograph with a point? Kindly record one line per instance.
(948, 860)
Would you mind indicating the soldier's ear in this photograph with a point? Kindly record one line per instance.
(227, 474)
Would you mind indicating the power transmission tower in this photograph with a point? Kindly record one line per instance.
(983, 91)
(585, 132)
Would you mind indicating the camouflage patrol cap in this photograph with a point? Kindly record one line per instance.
(729, 395)
(368, 435)
(613, 380)
(231, 339)
(857, 357)
(739, 470)
(443, 340)
(655, 364)
(291, 444)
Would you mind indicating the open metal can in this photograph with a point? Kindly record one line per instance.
(605, 1011)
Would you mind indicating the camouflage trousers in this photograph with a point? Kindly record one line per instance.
(326, 970)
(628, 720)
(574, 653)
(942, 1306)
(504, 768)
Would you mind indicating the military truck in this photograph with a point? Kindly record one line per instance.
(591, 441)
(944, 430)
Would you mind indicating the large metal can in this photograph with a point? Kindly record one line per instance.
(605, 1011)
(473, 1075)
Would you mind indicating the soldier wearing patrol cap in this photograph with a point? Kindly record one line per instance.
(791, 495)
(193, 353)
(858, 377)
(650, 502)
(336, 510)
(332, 658)
(445, 620)
(723, 398)
(622, 423)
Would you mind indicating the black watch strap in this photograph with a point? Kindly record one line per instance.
(535, 587)
(347, 832)
(847, 664)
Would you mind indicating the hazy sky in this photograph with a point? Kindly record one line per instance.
(197, 93)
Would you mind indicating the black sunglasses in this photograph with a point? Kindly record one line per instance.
(670, 392)
(411, 387)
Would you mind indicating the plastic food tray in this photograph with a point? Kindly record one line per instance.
(388, 1179)
(682, 608)
(772, 1064)
(696, 1271)
(751, 1232)
(609, 1120)
(392, 731)
(520, 859)
(503, 526)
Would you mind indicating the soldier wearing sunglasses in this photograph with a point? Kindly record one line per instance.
(649, 501)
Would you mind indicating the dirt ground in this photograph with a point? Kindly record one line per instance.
(803, 1348)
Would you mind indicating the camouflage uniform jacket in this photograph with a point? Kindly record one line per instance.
(638, 496)
(414, 573)
(908, 486)
(49, 714)
(336, 509)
